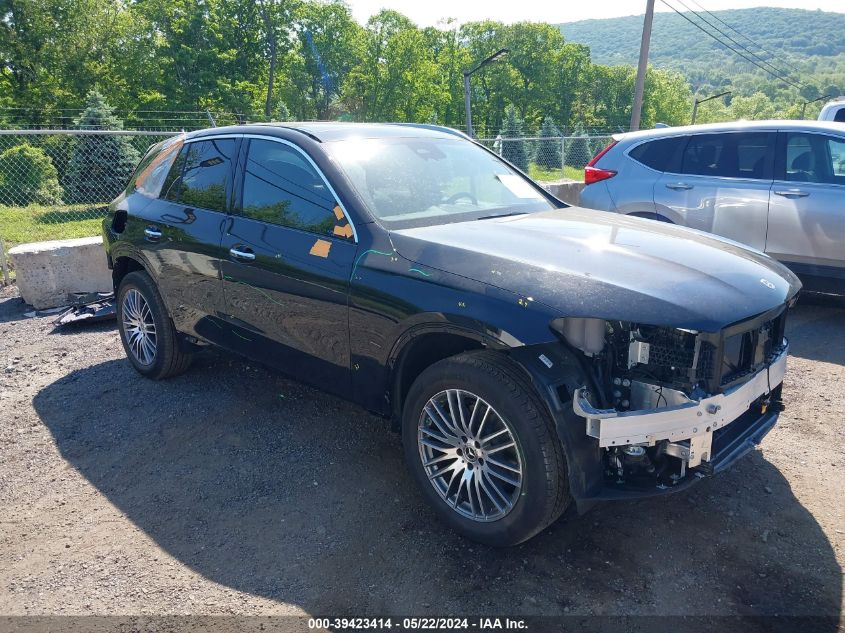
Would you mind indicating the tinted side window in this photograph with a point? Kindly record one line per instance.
(733, 155)
(154, 168)
(815, 158)
(839, 117)
(663, 154)
(281, 187)
(206, 174)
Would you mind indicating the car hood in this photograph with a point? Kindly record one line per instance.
(594, 264)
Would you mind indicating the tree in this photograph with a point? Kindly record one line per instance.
(667, 99)
(283, 114)
(329, 45)
(27, 176)
(451, 57)
(101, 164)
(396, 78)
(276, 16)
(578, 150)
(514, 150)
(548, 154)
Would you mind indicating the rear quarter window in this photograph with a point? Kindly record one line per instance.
(153, 168)
(662, 154)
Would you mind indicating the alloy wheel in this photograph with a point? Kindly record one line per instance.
(139, 327)
(470, 455)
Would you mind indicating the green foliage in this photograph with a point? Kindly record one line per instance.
(246, 57)
(515, 150)
(397, 77)
(578, 152)
(808, 46)
(27, 176)
(283, 114)
(60, 149)
(100, 166)
(548, 155)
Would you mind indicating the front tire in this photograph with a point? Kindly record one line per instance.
(146, 330)
(483, 450)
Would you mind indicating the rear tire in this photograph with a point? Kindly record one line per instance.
(146, 329)
(456, 464)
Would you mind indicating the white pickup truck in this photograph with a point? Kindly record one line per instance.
(834, 111)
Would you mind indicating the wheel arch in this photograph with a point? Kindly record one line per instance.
(124, 264)
(421, 347)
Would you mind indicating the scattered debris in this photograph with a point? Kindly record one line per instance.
(45, 312)
(91, 307)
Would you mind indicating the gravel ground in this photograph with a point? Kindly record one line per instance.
(231, 490)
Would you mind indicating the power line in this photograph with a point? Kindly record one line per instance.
(732, 49)
(780, 71)
(741, 34)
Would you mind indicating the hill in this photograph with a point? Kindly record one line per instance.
(807, 45)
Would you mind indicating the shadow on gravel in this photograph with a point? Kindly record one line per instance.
(271, 488)
(12, 309)
(816, 329)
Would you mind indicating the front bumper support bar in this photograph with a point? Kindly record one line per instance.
(693, 420)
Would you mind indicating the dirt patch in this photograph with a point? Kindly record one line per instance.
(231, 490)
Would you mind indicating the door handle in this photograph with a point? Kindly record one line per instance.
(792, 193)
(678, 186)
(242, 255)
(152, 234)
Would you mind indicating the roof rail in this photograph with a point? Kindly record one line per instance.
(436, 128)
(287, 126)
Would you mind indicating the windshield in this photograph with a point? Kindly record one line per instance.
(409, 182)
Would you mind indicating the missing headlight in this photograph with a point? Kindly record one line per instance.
(588, 335)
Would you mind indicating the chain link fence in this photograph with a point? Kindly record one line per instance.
(549, 159)
(56, 184)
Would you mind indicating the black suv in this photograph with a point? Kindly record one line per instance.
(533, 354)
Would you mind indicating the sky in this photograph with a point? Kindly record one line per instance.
(430, 12)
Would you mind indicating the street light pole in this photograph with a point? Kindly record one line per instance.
(700, 101)
(642, 67)
(467, 105)
(806, 103)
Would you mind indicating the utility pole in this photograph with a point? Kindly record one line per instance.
(642, 67)
(467, 105)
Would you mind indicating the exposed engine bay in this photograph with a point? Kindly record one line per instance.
(661, 397)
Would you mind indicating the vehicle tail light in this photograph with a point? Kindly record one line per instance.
(593, 174)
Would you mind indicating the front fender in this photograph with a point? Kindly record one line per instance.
(393, 300)
(555, 372)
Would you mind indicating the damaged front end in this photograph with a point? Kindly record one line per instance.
(667, 405)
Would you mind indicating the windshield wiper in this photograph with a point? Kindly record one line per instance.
(502, 215)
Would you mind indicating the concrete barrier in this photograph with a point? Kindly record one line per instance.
(566, 190)
(47, 272)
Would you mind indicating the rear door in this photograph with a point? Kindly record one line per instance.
(633, 188)
(289, 255)
(182, 229)
(807, 209)
(722, 185)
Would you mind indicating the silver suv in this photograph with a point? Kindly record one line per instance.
(778, 186)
